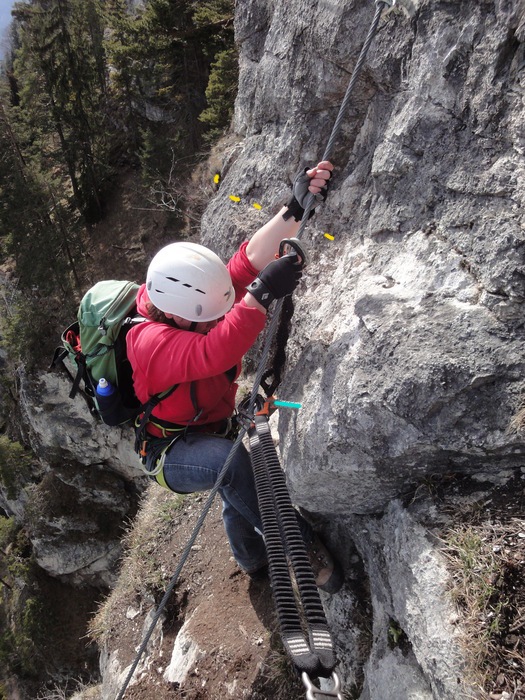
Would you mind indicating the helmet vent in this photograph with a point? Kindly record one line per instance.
(190, 281)
(185, 284)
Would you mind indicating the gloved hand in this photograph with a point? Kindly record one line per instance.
(300, 189)
(319, 179)
(278, 279)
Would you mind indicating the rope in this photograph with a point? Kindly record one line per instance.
(185, 554)
(330, 147)
(272, 327)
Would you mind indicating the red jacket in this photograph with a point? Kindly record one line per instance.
(162, 356)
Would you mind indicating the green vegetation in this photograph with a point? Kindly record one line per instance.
(395, 634)
(15, 465)
(22, 617)
(88, 90)
(141, 576)
(60, 115)
(222, 84)
(474, 569)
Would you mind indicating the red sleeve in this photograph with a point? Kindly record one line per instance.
(241, 271)
(167, 355)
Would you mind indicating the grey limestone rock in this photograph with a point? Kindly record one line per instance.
(408, 340)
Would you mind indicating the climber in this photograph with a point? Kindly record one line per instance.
(202, 320)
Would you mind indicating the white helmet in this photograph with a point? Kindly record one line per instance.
(189, 280)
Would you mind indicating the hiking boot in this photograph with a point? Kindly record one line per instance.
(328, 573)
(259, 574)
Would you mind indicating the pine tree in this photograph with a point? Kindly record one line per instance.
(220, 93)
(62, 91)
(35, 229)
(215, 17)
(161, 60)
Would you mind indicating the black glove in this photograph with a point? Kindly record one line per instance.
(278, 279)
(296, 205)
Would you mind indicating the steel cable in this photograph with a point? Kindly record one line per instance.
(271, 330)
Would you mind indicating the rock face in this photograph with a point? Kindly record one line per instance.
(408, 341)
(84, 488)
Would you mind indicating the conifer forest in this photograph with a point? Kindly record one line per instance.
(89, 88)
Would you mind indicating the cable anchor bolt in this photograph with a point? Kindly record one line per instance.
(314, 693)
(408, 7)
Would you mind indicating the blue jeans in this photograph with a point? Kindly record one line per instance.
(193, 464)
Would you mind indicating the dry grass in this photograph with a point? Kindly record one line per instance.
(82, 691)
(517, 424)
(487, 564)
(140, 577)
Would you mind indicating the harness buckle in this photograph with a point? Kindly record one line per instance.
(314, 693)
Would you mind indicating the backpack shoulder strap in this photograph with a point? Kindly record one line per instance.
(82, 374)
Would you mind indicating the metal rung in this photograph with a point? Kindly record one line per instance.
(314, 693)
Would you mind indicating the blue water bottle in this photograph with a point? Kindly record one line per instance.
(107, 399)
(104, 388)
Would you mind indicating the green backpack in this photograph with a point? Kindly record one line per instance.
(96, 344)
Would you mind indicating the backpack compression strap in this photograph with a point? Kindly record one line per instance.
(58, 359)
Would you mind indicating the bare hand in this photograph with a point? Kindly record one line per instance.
(319, 176)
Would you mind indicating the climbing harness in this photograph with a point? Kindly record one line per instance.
(317, 655)
(154, 450)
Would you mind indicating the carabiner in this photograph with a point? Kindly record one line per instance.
(314, 693)
(246, 410)
(289, 245)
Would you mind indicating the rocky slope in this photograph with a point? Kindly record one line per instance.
(407, 346)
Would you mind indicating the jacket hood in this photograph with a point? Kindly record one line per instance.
(142, 301)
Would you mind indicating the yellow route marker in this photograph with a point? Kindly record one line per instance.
(234, 198)
(216, 178)
(256, 205)
(329, 236)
